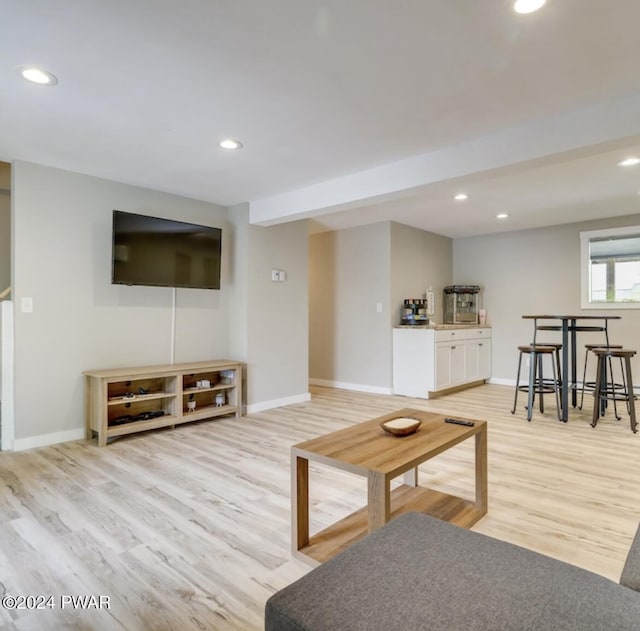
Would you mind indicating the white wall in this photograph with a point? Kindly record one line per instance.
(268, 321)
(238, 275)
(351, 272)
(80, 321)
(322, 306)
(419, 259)
(6, 375)
(277, 316)
(322, 322)
(62, 259)
(524, 272)
(536, 271)
(350, 341)
(5, 225)
(6, 319)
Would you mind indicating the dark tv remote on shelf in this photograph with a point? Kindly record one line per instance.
(457, 421)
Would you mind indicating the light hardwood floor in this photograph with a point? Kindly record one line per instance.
(189, 529)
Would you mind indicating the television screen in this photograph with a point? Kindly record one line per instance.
(164, 253)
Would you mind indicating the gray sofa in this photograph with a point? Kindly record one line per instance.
(420, 573)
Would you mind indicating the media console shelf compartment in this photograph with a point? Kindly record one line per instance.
(123, 401)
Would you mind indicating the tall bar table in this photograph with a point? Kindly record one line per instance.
(570, 325)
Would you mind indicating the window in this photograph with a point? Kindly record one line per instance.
(610, 267)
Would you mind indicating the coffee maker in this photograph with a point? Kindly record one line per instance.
(414, 312)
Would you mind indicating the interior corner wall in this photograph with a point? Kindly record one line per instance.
(269, 321)
(323, 306)
(535, 271)
(277, 316)
(349, 277)
(419, 260)
(5, 225)
(5, 240)
(238, 281)
(62, 260)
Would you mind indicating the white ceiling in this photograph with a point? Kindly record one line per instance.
(529, 114)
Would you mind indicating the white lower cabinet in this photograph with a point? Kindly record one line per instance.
(477, 359)
(449, 364)
(442, 368)
(472, 359)
(426, 361)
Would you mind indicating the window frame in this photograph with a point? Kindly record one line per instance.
(585, 267)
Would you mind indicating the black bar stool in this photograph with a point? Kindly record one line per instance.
(602, 393)
(591, 385)
(595, 329)
(556, 356)
(537, 384)
(549, 327)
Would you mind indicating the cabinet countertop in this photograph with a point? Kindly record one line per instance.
(442, 327)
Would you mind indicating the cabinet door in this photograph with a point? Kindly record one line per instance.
(484, 359)
(472, 360)
(450, 364)
(458, 363)
(443, 365)
(477, 359)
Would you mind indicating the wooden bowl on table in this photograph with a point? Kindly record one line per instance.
(401, 426)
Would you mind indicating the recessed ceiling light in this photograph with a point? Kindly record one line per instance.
(527, 6)
(502, 216)
(629, 162)
(461, 197)
(230, 143)
(37, 75)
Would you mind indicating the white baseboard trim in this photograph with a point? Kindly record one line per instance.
(502, 382)
(44, 440)
(358, 387)
(278, 403)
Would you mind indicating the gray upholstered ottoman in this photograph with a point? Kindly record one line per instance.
(419, 573)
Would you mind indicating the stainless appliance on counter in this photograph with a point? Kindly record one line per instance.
(461, 304)
(414, 312)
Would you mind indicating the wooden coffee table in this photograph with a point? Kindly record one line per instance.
(367, 450)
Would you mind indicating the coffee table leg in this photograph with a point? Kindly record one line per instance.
(299, 502)
(410, 478)
(378, 500)
(481, 471)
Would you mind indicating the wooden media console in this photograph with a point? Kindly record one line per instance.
(128, 400)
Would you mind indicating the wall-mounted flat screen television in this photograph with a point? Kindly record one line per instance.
(164, 253)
